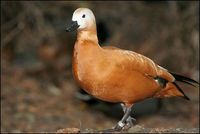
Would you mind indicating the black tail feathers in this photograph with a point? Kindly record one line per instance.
(184, 95)
(184, 80)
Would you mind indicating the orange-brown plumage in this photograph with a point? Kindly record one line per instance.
(116, 75)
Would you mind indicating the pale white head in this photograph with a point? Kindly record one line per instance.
(83, 18)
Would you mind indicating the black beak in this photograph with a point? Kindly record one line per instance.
(73, 26)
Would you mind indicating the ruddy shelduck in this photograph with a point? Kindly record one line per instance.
(116, 75)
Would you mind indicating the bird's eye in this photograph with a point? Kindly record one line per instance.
(83, 16)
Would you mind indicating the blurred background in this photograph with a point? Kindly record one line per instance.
(38, 93)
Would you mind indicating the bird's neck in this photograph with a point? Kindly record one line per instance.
(89, 35)
(85, 52)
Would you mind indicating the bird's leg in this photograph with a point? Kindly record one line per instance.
(125, 123)
(130, 120)
(121, 124)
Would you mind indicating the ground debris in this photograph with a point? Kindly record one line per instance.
(140, 129)
(135, 129)
(69, 130)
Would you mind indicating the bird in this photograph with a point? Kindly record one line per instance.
(116, 75)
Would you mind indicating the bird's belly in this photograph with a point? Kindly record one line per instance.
(126, 86)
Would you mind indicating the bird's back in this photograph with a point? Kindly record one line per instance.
(139, 63)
